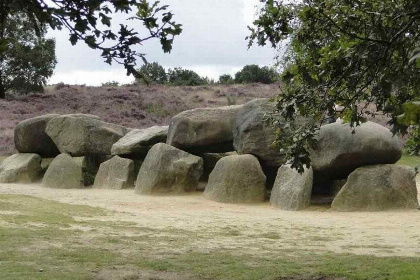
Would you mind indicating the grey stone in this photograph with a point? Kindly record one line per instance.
(80, 115)
(292, 191)
(20, 168)
(254, 135)
(167, 169)
(63, 173)
(203, 129)
(30, 137)
(79, 136)
(378, 188)
(116, 174)
(236, 179)
(339, 152)
(138, 142)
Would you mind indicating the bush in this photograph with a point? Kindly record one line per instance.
(412, 145)
(61, 85)
(184, 77)
(254, 74)
(111, 84)
(226, 79)
(152, 73)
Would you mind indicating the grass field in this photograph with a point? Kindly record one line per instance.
(412, 161)
(43, 239)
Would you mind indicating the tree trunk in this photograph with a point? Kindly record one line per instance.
(3, 16)
(2, 90)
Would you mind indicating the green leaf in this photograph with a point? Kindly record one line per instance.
(73, 39)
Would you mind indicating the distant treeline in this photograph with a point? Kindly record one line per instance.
(153, 73)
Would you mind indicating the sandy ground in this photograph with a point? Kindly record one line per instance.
(254, 228)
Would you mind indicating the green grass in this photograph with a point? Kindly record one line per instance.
(42, 239)
(412, 161)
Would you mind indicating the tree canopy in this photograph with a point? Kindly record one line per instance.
(256, 74)
(27, 60)
(341, 54)
(90, 22)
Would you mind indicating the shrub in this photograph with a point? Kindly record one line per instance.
(411, 146)
(226, 79)
(184, 77)
(111, 84)
(152, 73)
(254, 74)
(61, 85)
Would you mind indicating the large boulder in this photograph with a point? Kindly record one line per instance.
(138, 142)
(254, 135)
(236, 179)
(115, 174)
(377, 188)
(80, 135)
(30, 137)
(20, 168)
(292, 191)
(203, 129)
(339, 152)
(167, 169)
(63, 173)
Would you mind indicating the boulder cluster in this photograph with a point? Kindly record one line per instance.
(230, 148)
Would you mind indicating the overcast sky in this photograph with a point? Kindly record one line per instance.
(212, 43)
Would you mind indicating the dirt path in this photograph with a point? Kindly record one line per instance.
(254, 228)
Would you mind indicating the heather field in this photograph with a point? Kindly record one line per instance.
(135, 106)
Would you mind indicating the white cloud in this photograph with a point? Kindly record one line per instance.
(250, 10)
(91, 78)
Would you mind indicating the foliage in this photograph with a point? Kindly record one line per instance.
(411, 146)
(90, 22)
(226, 79)
(339, 52)
(255, 74)
(411, 115)
(27, 60)
(208, 81)
(152, 73)
(111, 84)
(184, 77)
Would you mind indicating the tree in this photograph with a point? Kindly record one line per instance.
(184, 77)
(153, 73)
(226, 79)
(254, 74)
(90, 22)
(338, 52)
(27, 60)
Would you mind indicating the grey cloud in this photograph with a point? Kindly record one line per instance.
(214, 34)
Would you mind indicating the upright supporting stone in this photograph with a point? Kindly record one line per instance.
(63, 173)
(20, 168)
(115, 174)
(236, 179)
(292, 191)
(167, 169)
(377, 188)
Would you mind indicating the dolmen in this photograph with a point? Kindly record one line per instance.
(228, 149)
